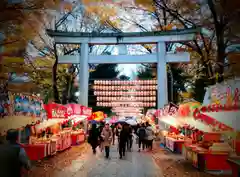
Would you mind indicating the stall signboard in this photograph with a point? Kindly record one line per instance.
(223, 93)
(26, 105)
(170, 109)
(56, 111)
(86, 111)
(98, 115)
(74, 109)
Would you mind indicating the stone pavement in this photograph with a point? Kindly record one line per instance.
(135, 164)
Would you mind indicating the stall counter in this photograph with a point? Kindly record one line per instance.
(204, 159)
(173, 144)
(77, 138)
(35, 151)
(235, 165)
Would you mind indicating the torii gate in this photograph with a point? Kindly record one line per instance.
(161, 57)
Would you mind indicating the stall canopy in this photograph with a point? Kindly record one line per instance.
(48, 123)
(197, 124)
(229, 118)
(170, 120)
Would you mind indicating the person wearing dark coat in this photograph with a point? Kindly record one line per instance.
(94, 137)
(13, 158)
(124, 135)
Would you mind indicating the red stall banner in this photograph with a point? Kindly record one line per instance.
(56, 111)
(86, 111)
(74, 109)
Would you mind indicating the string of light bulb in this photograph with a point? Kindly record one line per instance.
(121, 93)
(118, 88)
(126, 98)
(121, 82)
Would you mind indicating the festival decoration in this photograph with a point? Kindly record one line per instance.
(121, 82)
(126, 98)
(135, 93)
(125, 93)
(126, 104)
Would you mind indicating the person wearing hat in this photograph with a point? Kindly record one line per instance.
(107, 139)
(12, 156)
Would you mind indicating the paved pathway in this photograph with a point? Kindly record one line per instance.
(135, 164)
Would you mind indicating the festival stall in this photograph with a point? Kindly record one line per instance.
(221, 104)
(47, 136)
(204, 143)
(172, 139)
(78, 114)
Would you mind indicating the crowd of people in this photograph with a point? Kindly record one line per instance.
(104, 136)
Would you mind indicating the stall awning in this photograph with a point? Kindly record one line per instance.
(229, 118)
(79, 119)
(197, 124)
(15, 122)
(48, 123)
(170, 121)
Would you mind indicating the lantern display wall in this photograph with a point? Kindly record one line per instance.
(117, 93)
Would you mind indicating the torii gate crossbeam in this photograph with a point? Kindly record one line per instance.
(161, 57)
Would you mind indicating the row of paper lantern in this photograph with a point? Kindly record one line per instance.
(127, 114)
(120, 82)
(127, 108)
(126, 104)
(132, 87)
(126, 98)
(137, 93)
(124, 111)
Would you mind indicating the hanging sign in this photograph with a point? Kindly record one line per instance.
(98, 115)
(173, 109)
(56, 111)
(86, 111)
(225, 93)
(169, 110)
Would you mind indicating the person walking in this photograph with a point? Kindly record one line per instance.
(101, 126)
(13, 158)
(118, 130)
(113, 134)
(123, 138)
(130, 138)
(141, 132)
(149, 137)
(94, 137)
(107, 139)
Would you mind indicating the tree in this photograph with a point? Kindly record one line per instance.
(124, 77)
(102, 72)
(15, 17)
(62, 80)
(210, 15)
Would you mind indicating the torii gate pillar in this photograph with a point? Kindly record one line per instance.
(83, 74)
